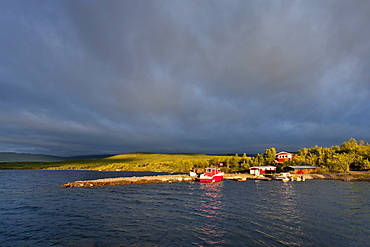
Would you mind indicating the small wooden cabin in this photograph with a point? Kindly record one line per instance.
(257, 170)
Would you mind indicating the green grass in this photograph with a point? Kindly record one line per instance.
(125, 162)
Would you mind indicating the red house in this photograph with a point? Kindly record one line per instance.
(257, 170)
(284, 156)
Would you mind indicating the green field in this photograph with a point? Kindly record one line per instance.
(124, 162)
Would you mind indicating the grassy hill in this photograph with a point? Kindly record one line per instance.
(22, 157)
(124, 162)
(14, 157)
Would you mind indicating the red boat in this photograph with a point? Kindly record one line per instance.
(211, 175)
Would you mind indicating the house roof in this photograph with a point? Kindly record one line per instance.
(263, 167)
(286, 152)
(303, 167)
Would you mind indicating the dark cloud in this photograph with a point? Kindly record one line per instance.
(82, 77)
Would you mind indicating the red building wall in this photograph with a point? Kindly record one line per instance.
(303, 171)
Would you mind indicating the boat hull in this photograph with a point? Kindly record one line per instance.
(210, 179)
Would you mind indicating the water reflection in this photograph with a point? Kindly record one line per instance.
(288, 221)
(278, 217)
(211, 209)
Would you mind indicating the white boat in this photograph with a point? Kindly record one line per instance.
(285, 177)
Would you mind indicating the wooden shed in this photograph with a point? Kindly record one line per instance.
(257, 170)
(301, 169)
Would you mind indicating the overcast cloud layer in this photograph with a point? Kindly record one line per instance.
(91, 77)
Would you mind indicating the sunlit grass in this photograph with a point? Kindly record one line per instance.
(124, 162)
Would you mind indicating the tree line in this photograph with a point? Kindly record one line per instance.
(351, 155)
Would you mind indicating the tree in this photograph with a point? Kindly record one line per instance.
(234, 163)
(349, 146)
(258, 160)
(340, 162)
(365, 164)
(269, 156)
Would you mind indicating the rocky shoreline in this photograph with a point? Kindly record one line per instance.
(129, 180)
(180, 178)
(358, 176)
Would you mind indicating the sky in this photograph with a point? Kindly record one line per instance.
(99, 77)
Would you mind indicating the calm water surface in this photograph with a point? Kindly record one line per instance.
(36, 211)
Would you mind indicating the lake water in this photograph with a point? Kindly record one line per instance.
(36, 211)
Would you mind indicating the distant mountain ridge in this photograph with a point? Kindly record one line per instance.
(19, 157)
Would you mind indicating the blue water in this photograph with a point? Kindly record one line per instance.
(36, 211)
